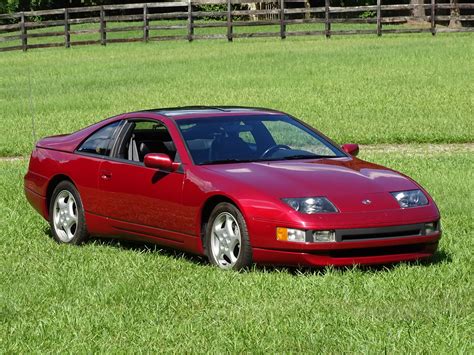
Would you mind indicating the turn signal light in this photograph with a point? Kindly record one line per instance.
(291, 235)
(302, 236)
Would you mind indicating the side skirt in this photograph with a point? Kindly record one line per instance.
(109, 228)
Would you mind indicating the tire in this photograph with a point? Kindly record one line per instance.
(227, 243)
(66, 215)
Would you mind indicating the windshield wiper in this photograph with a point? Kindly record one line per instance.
(226, 161)
(299, 156)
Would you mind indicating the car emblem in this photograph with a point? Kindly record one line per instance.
(366, 202)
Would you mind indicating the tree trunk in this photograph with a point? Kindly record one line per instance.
(454, 22)
(418, 11)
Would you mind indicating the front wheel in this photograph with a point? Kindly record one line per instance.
(66, 215)
(227, 242)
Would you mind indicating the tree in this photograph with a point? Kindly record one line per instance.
(8, 6)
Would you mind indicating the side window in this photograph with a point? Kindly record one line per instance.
(144, 137)
(148, 126)
(100, 142)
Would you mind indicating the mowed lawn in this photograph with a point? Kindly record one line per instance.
(407, 88)
(122, 297)
(112, 297)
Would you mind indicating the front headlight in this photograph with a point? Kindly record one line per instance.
(411, 198)
(310, 205)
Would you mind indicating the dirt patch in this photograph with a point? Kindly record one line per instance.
(7, 159)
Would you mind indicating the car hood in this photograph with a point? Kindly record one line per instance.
(345, 181)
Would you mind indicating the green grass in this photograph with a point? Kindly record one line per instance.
(405, 89)
(112, 298)
(121, 297)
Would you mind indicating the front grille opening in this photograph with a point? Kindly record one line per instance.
(391, 250)
(394, 234)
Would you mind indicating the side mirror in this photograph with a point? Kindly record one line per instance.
(160, 161)
(352, 149)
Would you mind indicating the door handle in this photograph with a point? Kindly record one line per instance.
(105, 175)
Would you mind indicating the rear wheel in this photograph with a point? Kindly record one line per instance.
(66, 215)
(227, 243)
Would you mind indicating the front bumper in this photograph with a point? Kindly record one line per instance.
(347, 257)
(364, 246)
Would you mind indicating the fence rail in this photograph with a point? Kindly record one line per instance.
(161, 17)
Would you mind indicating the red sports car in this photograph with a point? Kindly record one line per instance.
(239, 185)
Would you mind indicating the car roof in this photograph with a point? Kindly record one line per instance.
(210, 111)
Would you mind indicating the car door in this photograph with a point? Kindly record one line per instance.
(138, 199)
(85, 166)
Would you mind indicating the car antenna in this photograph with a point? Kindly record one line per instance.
(32, 108)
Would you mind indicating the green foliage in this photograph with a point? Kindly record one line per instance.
(213, 8)
(8, 6)
(368, 14)
(26, 5)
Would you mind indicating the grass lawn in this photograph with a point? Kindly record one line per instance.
(122, 297)
(405, 89)
(113, 298)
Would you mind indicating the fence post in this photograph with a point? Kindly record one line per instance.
(146, 32)
(67, 35)
(327, 20)
(190, 21)
(24, 38)
(103, 26)
(307, 14)
(282, 20)
(433, 17)
(379, 17)
(229, 20)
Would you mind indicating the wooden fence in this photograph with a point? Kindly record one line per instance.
(152, 20)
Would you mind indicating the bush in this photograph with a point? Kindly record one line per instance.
(213, 8)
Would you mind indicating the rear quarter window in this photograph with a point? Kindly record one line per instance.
(100, 142)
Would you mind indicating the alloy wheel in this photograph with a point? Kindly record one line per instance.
(225, 240)
(65, 216)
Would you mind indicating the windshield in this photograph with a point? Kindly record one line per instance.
(217, 140)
